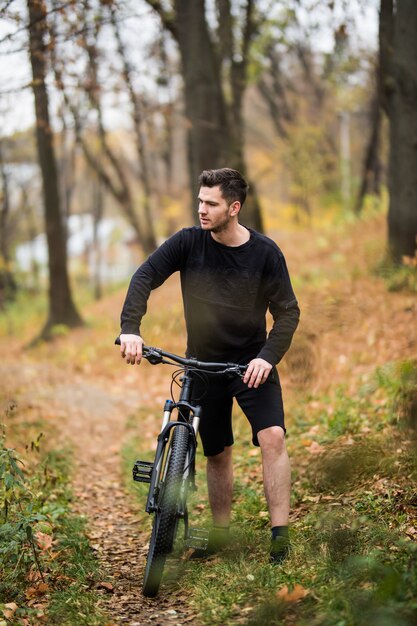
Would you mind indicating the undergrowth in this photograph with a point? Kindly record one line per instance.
(47, 568)
(399, 277)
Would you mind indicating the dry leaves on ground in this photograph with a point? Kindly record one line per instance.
(295, 595)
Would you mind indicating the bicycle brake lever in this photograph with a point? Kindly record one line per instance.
(152, 355)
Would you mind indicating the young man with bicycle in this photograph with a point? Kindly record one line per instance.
(230, 277)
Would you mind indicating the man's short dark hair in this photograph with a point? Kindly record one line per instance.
(231, 182)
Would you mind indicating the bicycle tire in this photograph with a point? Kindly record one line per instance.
(166, 517)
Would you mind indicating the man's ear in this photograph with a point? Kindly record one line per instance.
(235, 208)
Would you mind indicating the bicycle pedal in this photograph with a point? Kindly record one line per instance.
(142, 471)
(197, 538)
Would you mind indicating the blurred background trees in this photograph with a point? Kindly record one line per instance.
(304, 97)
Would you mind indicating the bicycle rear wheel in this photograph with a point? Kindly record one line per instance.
(166, 517)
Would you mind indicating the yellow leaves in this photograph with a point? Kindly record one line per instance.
(297, 593)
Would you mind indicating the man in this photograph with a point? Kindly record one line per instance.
(230, 276)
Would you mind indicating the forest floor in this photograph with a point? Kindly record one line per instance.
(83, 396)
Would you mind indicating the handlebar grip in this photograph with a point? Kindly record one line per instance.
(117, 341)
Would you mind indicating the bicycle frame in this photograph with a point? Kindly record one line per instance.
(151, 472)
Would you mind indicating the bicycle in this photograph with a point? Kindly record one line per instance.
(171, 476)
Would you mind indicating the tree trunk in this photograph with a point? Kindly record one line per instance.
(371, 165)
(31, 233)
(8, 285)
(251, 215)
(4, 211)
(97, 213)
(61, 307)
(402, 106)
(209, 137)
(215, 125)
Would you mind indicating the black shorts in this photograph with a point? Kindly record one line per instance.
(263, 408)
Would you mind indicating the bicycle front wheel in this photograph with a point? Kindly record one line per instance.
(166, 517)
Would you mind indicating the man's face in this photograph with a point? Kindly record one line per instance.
(214, 212)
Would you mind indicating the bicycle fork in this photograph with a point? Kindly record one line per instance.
(150, 472)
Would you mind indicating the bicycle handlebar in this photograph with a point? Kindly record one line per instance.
(156, 356)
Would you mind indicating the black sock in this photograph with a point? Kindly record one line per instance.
(279, 531)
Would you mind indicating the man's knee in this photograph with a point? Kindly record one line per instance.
(221, 459)
(272, 440)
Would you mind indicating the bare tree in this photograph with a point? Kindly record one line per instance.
(139, 135)
(371, 171)
(106, 164)
(61, 306)
(214, 70)
(400, 83)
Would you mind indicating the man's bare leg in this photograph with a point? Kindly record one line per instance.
(220, 492)
(220, 486)
(277, 486)
(276, 474)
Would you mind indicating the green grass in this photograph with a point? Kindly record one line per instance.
(55, 580)
(354, 551)
(73, 601)
(399, 277)
(25, 315)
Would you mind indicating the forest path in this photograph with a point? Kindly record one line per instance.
(88, 404)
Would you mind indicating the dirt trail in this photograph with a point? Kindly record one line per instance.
(113, 526)
(90, 415)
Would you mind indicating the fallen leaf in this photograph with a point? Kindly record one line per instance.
(9, 610)
(43, 540)
(315, 448)
(106, 586)
(39, 590)
(43, 588)
(296, 594)
(312, 498)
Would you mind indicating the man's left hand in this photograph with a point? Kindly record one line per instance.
(257, 372)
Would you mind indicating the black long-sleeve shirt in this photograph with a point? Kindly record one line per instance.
(226, 294)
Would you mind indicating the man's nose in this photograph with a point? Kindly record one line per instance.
(202, 208)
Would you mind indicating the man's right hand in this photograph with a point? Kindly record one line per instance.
(131, 348)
